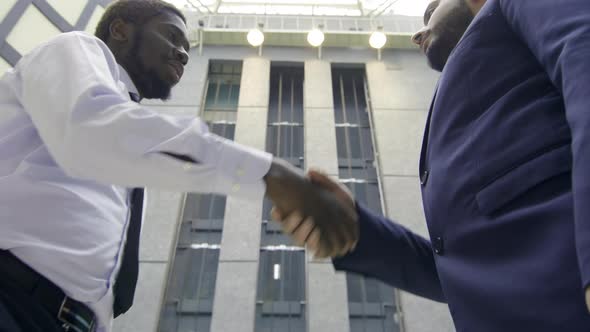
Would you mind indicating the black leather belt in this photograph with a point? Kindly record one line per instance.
(74, 316)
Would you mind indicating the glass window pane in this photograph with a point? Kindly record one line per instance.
(206, 237)
(353, 135)
(234, 95)
(223, 96)
(297, 148)
(285, 110)
(366, 143)
(218, 210)
(223, 87)
(204, 206)
(353, 283)
(273, 105)
(211, 94)
(185, 234)
(372, 290)
(338, 106)
(341, 143)
(271, 142)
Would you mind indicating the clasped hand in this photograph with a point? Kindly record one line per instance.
(315, 211)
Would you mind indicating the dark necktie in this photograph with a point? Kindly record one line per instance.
(126, 281)
(135, 97)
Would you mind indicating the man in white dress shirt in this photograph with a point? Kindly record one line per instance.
(78, 145)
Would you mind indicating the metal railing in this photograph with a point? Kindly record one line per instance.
(394, 24)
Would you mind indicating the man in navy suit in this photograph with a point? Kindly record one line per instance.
(505, 172)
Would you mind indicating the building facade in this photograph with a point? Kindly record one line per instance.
(210, 263)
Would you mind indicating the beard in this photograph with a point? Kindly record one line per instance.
(439, 52)
(445, 39)
(148, 82)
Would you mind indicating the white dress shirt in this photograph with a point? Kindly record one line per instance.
(75, 146)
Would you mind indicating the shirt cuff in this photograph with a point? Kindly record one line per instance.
(245, 168)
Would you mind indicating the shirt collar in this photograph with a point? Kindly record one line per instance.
(127, 81)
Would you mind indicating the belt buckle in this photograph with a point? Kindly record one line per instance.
(79, 324)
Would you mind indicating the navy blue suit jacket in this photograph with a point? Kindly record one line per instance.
(505, 172)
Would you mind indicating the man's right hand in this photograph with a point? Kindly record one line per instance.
(335, 234)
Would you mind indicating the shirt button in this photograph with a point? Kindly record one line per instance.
(424, 177)
(438, 246)
(236, 188)
(187, 167)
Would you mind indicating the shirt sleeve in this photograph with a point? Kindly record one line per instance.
(558, 35)
(393, 254)
(70, 88)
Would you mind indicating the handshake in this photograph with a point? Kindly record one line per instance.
(314, 210)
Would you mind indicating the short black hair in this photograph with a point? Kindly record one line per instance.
(429, 10)
(137, 12)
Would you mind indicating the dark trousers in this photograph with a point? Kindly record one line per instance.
(20, 313)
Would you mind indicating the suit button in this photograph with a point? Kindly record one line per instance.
(424, 177)
(438, 246)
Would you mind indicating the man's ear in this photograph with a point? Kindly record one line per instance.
(120, 31)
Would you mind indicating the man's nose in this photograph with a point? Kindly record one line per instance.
(181, 55)
(419, 36)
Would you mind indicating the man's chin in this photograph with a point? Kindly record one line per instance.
(436, 64)
(161, 95)
(166, 98)
(160, 91)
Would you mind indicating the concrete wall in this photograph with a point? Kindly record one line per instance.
(326, 289)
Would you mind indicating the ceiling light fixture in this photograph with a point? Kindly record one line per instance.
(255, 37)
(315, 37)
(377, 39)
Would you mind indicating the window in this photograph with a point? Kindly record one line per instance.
(371, 303)
(191, 284)
(272, 234)
(280, 300)
(284, 137)
(222, 91)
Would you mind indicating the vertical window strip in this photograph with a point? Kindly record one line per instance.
(191, 283)
(221, 103)
(371, 303)
(280, 300)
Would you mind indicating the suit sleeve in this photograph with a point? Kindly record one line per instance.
(393, 254)
(558, 34)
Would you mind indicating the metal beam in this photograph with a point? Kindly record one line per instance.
(190, 2)
(393, 2)
(361, 7)
(377, 8)
(208, 10)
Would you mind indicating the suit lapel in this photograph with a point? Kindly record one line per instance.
(424, 151)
